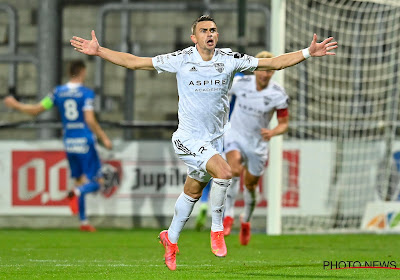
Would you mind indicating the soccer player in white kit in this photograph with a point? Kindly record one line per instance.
(204, 74)
(246, 146)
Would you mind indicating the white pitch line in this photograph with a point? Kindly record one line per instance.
(98, 263)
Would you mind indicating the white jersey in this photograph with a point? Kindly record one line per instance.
(203, 88)
(253, 110)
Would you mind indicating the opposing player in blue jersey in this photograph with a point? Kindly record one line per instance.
(204, 74)
(75, 106)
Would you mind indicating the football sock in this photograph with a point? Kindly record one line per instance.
(218, 193)
(249, 204)
(83, 190)
(183, 208)
(231, 194)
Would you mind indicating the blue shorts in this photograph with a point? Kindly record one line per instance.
(87, 164)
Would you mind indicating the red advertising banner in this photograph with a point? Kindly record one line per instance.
(40, 178)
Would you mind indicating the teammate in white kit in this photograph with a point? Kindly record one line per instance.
(246, 146)
(204, 74)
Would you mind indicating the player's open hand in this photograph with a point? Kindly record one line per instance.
(107, 143)
(323, 48)
(10, 101)
(89, 47)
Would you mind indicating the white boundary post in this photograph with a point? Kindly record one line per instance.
(274, 170)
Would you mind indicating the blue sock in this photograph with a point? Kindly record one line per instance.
(85, 189)
(206, 193)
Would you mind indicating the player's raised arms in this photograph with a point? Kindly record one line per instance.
(127, 60)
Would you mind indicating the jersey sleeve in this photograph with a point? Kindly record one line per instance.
(244, 62)
(282, 101)
(88, 104)
(169, 62)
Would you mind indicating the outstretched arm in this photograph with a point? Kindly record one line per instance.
(290, 59)
(92, 47)
(30, 109)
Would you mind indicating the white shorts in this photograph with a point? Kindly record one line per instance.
(195, 153)
(254, 162)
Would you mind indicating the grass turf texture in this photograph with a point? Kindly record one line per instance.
(136, 254)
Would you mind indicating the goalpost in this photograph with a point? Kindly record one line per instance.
(348, 103)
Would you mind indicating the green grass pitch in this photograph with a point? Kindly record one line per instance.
(136, 254)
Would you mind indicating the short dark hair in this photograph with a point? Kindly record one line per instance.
(75, 67)
(201, 18)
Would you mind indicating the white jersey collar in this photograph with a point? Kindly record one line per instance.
(73, 85)
(200, 59)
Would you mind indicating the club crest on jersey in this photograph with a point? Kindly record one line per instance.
(219, 67)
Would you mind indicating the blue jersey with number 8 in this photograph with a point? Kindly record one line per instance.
(72, 100)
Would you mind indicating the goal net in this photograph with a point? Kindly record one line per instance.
(345, 109)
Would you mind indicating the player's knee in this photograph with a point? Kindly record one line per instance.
(236, 172)
(251, 186)
(225, 173)
(193, 194)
